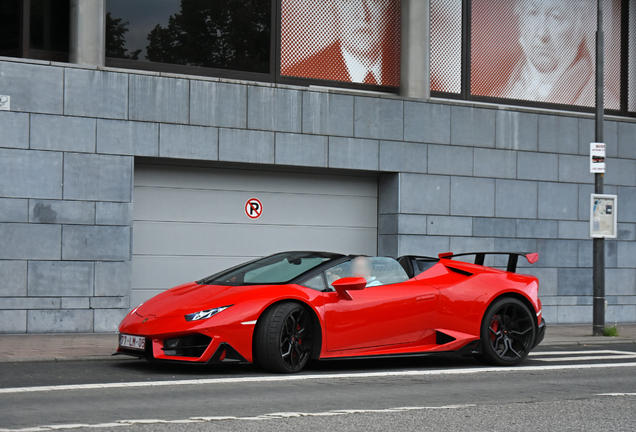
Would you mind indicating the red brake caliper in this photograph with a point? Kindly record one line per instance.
(300, 341)
(494, 325)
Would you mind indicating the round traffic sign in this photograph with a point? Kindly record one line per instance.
(253, 208)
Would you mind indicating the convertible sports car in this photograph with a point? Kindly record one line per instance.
(285, 309)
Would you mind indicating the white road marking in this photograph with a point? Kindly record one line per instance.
(583, 355)
(616, 394)
(272, 416)
(286, 378)
(582, 358)
(556, 353)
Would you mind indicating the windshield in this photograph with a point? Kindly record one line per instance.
(276, 269)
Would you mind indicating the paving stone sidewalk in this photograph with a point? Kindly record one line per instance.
(582, 335)
(57, 347)
(100, 346)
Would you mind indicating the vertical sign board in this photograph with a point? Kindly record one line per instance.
(597, 158)
(603, 219)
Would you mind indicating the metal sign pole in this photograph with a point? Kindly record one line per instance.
(599, 243)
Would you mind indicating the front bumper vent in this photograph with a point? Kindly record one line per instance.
(186, 346)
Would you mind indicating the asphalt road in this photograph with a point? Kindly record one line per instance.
(557, 388)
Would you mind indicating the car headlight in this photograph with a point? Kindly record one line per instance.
(135, 309)
(202, 315)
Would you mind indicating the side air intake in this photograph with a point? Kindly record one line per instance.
(443, 338)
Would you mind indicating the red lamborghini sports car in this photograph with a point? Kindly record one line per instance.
(285, 309)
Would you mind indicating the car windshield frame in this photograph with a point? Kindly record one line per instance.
(375, 279)
(236, 276)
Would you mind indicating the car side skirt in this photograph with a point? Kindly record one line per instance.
(469, 349)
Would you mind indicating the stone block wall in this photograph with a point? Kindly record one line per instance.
(65, 206)
(506, 190)
(452, 176)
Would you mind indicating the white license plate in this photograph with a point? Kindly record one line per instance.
(132, 342)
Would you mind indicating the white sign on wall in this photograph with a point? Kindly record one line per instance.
(603, 216)
(597, 158)
(5, 103)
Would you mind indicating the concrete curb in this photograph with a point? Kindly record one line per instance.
(64, 359)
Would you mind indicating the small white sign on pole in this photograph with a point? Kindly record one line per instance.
(597, 158)
(603, 217)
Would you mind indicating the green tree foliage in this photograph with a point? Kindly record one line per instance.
(226, 34)
(116, 30)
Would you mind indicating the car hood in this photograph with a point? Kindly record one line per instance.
(183, 299)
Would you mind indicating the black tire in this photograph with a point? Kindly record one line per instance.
(284, 338)
(507, 333)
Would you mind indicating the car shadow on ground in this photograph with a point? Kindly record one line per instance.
(324, 366)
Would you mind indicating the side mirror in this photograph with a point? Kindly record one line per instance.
(344, 285)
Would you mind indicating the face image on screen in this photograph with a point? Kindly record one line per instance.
(342, 40)
(543, 51)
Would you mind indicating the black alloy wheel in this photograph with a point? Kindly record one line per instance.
(284, 338)
(507, 332)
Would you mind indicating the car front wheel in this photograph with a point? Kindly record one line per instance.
(284, 338)
(507, 332)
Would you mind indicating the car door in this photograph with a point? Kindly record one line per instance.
(379, 315)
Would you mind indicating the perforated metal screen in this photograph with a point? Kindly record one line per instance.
(446, 46)
(612, 28)
(632, 57)
(543, 50)
(341, 40)
(531, 50)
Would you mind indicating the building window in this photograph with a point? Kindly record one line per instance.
(533, 52)
(631, 85)
(231, 35)
(544, 51)
(348, 41)
(49, 23)
(10, 28)
(446, 46)
(37, 29)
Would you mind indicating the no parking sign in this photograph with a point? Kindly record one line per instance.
(253, 208)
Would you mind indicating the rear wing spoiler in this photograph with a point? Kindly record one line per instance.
(513, 257)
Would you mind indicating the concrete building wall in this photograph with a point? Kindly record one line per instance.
(453, 176)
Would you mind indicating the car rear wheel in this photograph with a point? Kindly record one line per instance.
(507, 333)
(284, 338)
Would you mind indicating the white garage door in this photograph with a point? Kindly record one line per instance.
(190, 222)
